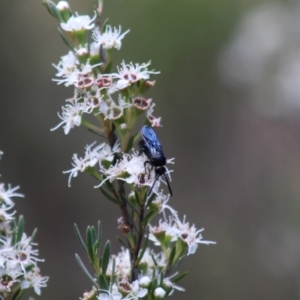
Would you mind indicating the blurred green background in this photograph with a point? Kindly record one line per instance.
(235, 136)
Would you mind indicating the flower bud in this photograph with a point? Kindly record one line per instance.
(82, 54)
(159, 293)
(122, 226)
(64, 9)
(145, 282)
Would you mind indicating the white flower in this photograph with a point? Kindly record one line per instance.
(112, 294)
(94, 49)
(155, 121)
(71, 116)
(189, 235)
(112, 111)
(69, 78)
(8, 275)
(66, 65)
(111, 38)
(78, 23)
(122, 265)
(165, 228)
(129, 74)
(130, 169)
(91, 157)
(135, 168)
(167, 283)
(161, 201)
(137, 291)
(4, 215)
(91, 102)
(35, 280)
(153, 260)
(22, 254)
(79, 75)
(6, 195)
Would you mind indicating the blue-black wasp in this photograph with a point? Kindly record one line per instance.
(152, 148)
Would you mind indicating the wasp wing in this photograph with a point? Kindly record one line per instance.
(151, 141)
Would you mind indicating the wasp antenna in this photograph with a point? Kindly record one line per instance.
(169, 186)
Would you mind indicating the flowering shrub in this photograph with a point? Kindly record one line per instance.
(18, 257)
(130, 178)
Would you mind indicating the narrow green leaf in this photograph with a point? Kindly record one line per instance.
(132, 206)
(17, 294)
(108, 67)
(105, 257)
(177, 264)
(95, 132)
(161, 277)
(150, 200)
(89, 245)
(154, 273)
(137, 198)
(130, 142)
(20, 229)
(112, 277)
(77, 232)
(28, 269)
(148, 217)
(154, 284)
(179, 277)
(93, 234)
(132, 222)
(143, 250)
(154, 260)
(109, 197)
(99, 233)
(119, 239)
(14, 237)
(65, 39)
(53, 10)
(104, 25)
(171, 257)
(87, 273)
(134, 238)
(46, 5)
(13, 224)
(33, 235)
(96, 247)
(102, 282)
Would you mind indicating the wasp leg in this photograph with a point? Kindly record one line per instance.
(169, 186)
(145, 165)
(156, 177)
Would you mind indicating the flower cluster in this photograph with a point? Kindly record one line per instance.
(18, 257)
(133, 179)
(87, 69)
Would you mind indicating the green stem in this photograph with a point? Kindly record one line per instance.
(91, 126)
